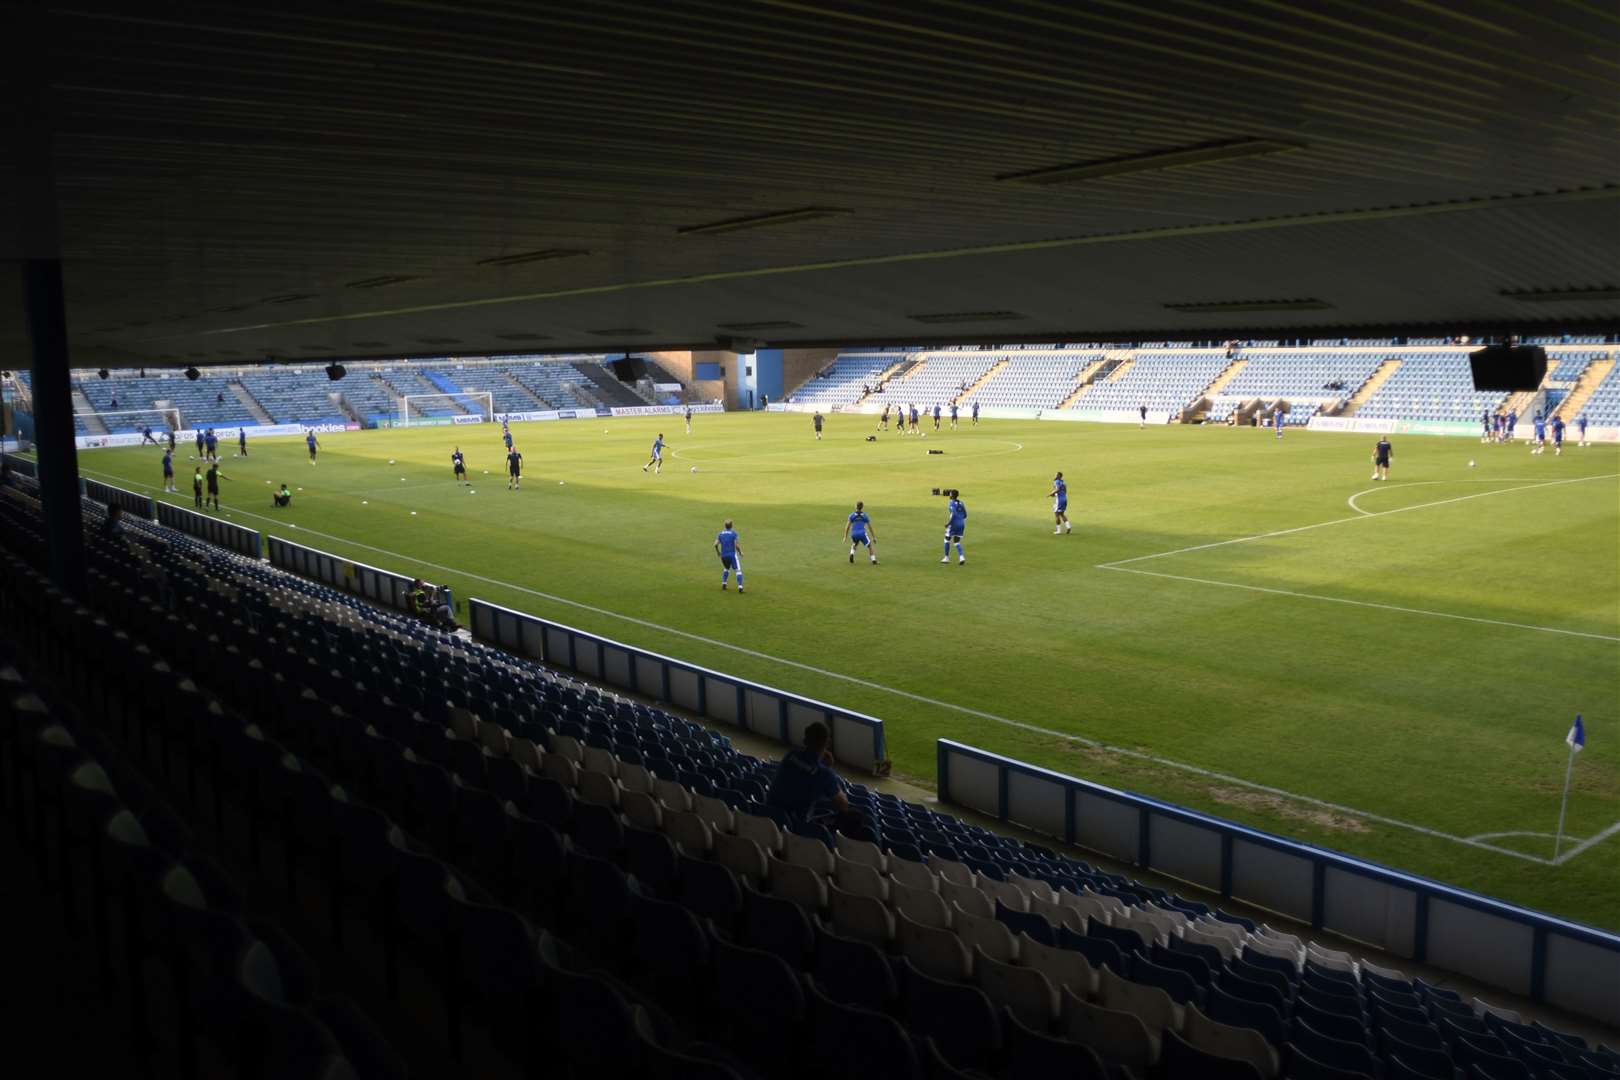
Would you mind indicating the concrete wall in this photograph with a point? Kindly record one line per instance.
(681, 362)
(799, 364)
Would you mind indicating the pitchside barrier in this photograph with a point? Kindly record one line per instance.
(380, 586)
(139, 505)
(857, 740)
(22, 466)
(242, 541)
(1524, 952)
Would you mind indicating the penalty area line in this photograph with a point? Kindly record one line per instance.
(853, 680)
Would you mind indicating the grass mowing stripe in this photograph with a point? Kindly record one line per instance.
(935, 702)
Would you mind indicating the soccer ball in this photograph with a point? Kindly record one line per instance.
(390, 461)
(925, 434)
(413, 513)
(694, 468)
(1470, 464)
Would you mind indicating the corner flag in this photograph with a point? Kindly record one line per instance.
(1576, 740)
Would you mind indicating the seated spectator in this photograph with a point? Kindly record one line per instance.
(282, 497)
(417, 601)
(113, 527)
(807, 789)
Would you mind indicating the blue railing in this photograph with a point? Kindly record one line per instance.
(1526, 952)
(141, 506)
(379, 586)
(764, 710)
(242, 541)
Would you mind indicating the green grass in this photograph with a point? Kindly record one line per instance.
(1451, 724)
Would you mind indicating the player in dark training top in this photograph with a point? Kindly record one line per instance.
(817, 420)
(458, 463)
(955, 526)
(1382, 452)
(213, 477)
(313, 444)
(1558, 436)
(858, 530)
(514, 469)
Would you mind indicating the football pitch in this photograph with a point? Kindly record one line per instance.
(1243, 625)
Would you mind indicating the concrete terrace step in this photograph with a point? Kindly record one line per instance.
(249, 402)
(1571, 406)
(1366, 390)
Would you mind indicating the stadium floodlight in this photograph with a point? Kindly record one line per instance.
(425, 409)
(336, 371)
(193, 374)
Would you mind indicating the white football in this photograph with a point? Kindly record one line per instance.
(560, 483)
(472, 491)
(365, 502)
(1470, 464)
(390, 461)
(694, 468)
(413, 513)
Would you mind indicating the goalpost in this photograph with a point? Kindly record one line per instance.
(126, 421)
(426, 409)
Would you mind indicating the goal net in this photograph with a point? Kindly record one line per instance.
(433, 409)
(129, 422)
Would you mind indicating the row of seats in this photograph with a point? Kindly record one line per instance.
(205, 989)
(629, 788)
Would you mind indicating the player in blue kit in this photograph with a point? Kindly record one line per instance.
(309, 441)
(1539, 443)
(1485, 426)
(506, 435)
(730, 552)
(689, 419)
(241, 442)
(936, 416)
(954, 528)
(953, 416)
(858, 530)
(1512, 422)
(1277, 420)
(914, 428)
(458, 463)
(657, 460)
(200, 438)
(975, 414)
(1558, 436)
(211, 445)
(1060, 505)
(168, 470)
(1582, 423)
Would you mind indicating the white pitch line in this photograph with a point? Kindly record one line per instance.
(1588, 842)
(1362, 515)
(1359, 603)
(1351, 501)
(907, 694)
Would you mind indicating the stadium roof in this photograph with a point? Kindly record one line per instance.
(308, 179)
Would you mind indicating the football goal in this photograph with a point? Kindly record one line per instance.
(425, 409)
(129, 421)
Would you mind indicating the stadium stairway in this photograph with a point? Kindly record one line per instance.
(1120, 369)
(1570, 408)
(1519, 403)
(982, 379)
(249, 402)
(1225, 377)
(1366, 390)
(524, 391)
(1085, 380)
(605, 388)
(84, 412)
